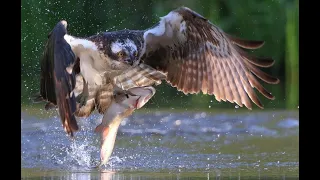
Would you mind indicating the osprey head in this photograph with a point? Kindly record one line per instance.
(125, 50)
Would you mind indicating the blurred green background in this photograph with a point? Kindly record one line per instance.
(275, 21)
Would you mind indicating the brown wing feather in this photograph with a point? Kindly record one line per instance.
(204, 86)
(176, 76)
(196, 74)
(228, 81)
(56, 83)
(59, 87)
(200, 74)
(212, 75)
(247, 44)
(257, 61)
(211, 57)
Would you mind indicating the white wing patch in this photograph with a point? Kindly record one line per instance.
(80, 44)
(68, 38)
(171, 28)
(173, 18)
(92, 64)
(85, 43)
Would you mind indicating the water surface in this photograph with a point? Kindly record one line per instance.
(166, 145)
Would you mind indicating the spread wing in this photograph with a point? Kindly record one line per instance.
(56, 83)
(198, 57)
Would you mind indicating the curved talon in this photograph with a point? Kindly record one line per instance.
(83, 96)
(120, 97)
(99, 166)
(82, 99)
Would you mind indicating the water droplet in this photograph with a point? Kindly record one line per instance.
(177, 122)
(236, 106)
(123, 123)
(203, 114)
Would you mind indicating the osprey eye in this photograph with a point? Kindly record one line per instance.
(120, 54)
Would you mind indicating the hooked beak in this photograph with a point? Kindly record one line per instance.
(130, 60)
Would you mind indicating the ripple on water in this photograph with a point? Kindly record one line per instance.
(169, 141)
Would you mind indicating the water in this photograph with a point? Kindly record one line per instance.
(165, 145)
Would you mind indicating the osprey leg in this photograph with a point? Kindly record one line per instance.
(136, 98)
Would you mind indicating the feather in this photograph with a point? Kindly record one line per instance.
(56, 83)
(257, 61)
(262, 75)
(247, 44)
(208, 60)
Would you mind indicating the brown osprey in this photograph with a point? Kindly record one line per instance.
(115, 71)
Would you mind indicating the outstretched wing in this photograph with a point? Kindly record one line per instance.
(198, 57)
(56, 83)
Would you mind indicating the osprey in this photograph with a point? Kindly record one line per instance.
(114, 71)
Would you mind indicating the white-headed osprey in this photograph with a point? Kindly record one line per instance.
(115, 71)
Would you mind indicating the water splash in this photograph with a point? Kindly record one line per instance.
(160, 140)
(79, 154)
